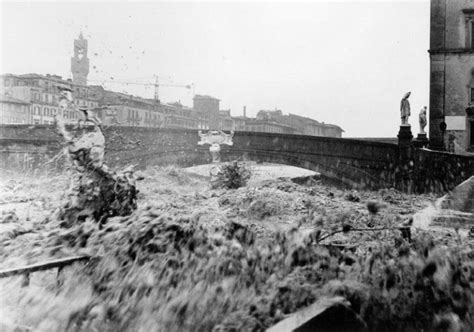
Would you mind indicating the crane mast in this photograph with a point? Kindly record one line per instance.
(156, 85)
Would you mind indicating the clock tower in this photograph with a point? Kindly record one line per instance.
(80, 61)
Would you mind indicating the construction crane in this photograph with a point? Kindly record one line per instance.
(156, 85)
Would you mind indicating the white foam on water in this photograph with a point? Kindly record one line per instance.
(260, 171)
(423, 218)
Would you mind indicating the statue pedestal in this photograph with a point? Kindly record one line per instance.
(421, 141)
(405, 149)
(405, 141)
(404, 136)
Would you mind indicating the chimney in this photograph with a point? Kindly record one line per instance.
(245, 111)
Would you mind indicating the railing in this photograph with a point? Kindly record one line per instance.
(28, 269)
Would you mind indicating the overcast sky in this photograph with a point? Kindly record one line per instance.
(347, 63)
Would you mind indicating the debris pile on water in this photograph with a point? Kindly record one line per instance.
(95, 190)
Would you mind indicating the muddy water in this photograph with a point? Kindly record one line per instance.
(41, 306)
(260, 172)
(31, 202)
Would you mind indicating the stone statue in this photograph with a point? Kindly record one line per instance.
(405, 109)
(422, 120)
(215, 139)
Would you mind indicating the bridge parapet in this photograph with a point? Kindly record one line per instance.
(357, 163)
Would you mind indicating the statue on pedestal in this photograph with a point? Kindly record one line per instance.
(422, 120)
(215, 139)
(422, 140)
(405, 109)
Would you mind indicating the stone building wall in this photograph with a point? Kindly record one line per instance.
(209, 106)
(451, 72)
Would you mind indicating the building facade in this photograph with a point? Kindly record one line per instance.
(311, 127)
(13, 111)
(268, 126)
(180, 116)
(300, 125)
(451, 74)
(209, 106)
(41, 93)
(121, 109)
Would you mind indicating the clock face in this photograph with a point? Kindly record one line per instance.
(80, 52)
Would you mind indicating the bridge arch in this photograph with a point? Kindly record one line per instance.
(355, 163)
(358, 163)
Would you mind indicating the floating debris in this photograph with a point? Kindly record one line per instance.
(96, 191)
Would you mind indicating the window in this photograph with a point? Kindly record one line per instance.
(469, 26)
(471, 88)
(472, 33)
(472, 132)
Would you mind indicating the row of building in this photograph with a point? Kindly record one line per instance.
(33, 99)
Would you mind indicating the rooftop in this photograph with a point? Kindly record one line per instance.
(8, 99)
(47, 77)
(204, 97)
(254, 121)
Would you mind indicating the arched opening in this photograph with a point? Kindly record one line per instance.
(264, 171)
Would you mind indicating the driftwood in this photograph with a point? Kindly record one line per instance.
(57, 263)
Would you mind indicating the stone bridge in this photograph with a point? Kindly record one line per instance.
(356, 163)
